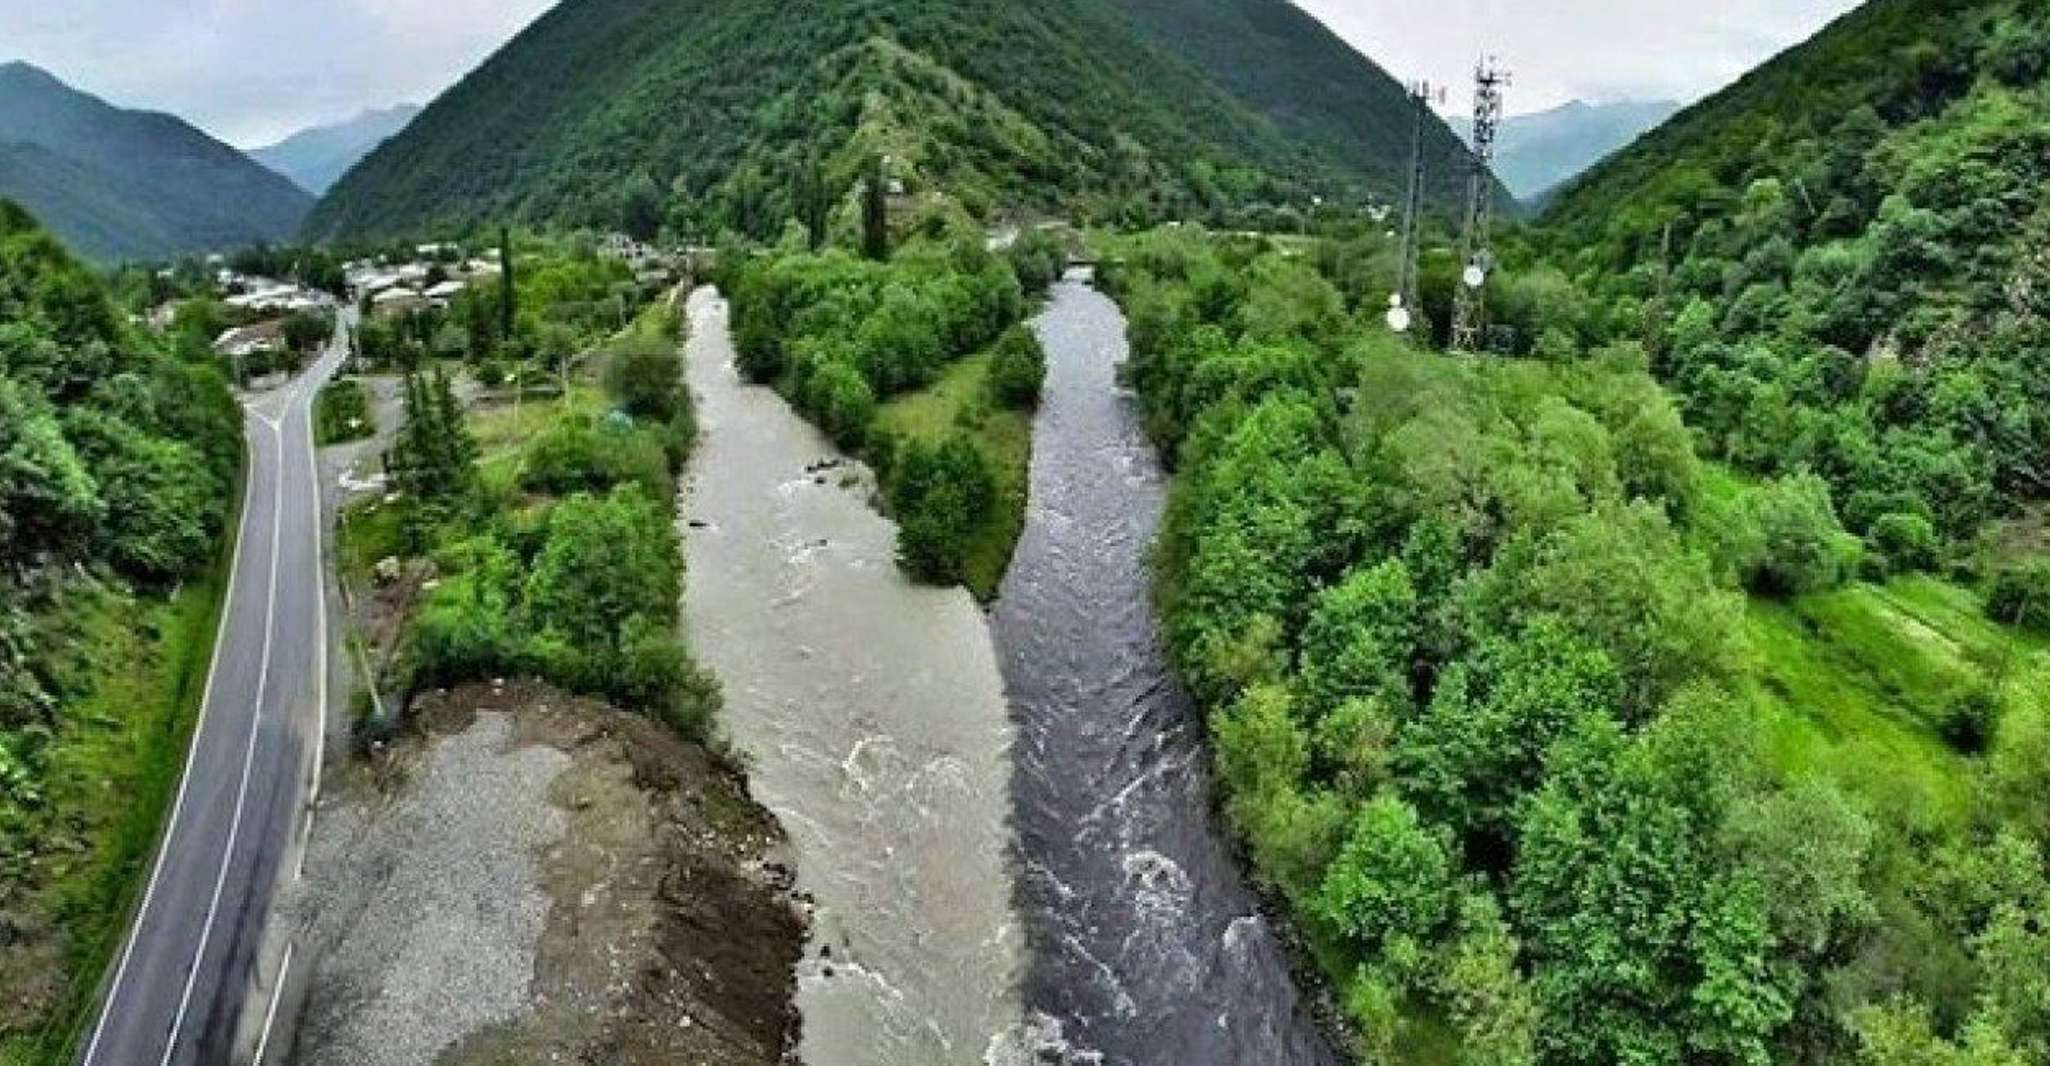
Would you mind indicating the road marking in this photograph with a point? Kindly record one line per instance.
(213, 906)
(270, 1016)
(206, 701)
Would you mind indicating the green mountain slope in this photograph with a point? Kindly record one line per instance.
(316, 158)
(721, 102)
(132, 184)
(1856, 283)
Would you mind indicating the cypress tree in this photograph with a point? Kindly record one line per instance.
(507, 300)
(875, 213)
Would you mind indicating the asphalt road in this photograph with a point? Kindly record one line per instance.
(179, 985)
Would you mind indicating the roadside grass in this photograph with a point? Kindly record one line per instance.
(959, 401)
(113, 767)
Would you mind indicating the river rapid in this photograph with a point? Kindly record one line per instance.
(1147, 946)
(873, 720)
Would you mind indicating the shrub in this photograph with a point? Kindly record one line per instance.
(581, 454)
(1017, 369)
(841, 402)
(1908, 542)
(342, 413)
(2020, 596)
(941, 497)
(645, 378)
(1806, 548)
(1037, 258)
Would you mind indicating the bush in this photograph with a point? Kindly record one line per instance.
(1806, 548)
(841, 402)
(645, 378)
(2020, 596)
(342, 413)
(1017, 369)
(581, 454)
(1909, 542)
(1037, 258)
(941, 497)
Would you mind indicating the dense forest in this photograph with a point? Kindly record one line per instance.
(719, 111)
(119, 454)
(1837, 265)
(842, 336)
(1501, 728)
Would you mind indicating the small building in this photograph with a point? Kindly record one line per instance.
(447, 290)
(244, 341)
(394, 302)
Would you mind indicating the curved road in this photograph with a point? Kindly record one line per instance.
(179, 984)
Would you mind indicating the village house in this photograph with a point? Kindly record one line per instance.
(244, 341)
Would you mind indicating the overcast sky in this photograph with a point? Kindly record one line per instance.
(1561, 50)
(251, 71)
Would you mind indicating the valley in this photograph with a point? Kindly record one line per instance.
(1096, 533)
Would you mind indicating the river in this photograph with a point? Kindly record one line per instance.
(1147, 945)
(872, 715)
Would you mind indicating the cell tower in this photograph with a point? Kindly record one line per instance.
(1404, 311)
(1469, 313)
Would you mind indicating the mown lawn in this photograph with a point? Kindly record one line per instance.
(959, 401)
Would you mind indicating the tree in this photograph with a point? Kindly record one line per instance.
(814, 203)
(645, 378)
(508, 292)
(1017, 369)
(640, 207)
(1392, 881)
(875, 211)
(940, 497)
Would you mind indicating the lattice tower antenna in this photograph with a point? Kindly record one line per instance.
(1404, 313)
(1469, 311)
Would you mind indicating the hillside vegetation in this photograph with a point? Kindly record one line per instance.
(116, 184)
(717, 110)
(118, 462)
(1838, 265)
(1499, 725)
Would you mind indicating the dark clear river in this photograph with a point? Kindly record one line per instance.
(1146, 944)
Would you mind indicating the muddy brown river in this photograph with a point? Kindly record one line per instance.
(872, 716)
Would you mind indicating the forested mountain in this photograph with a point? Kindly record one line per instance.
(1838, 262)
(317, 157)
(715, 108)
(1538, 151)
(117, 184)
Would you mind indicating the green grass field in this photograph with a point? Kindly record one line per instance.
(959, 401)
(1857, 684)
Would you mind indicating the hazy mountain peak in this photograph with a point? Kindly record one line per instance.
(117, 184)
(317, 157)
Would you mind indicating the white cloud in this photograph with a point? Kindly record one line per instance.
(251, 71)
(1560, 50)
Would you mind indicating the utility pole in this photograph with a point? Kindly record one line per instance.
(1405, 313)
(1469, 315)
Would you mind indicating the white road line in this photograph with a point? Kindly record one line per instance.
(184, 779)
(248, 757)
(270, 1016)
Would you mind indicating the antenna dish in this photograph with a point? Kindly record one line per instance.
(1395, 299)
(1398, 319)
(1474, 277)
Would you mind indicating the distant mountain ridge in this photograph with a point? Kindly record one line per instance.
(1125, 109)
(1539, 151)
(118, 184)
(317, 157)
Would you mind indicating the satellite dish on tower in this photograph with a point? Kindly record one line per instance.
(1475, 277)
(1398, 319)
